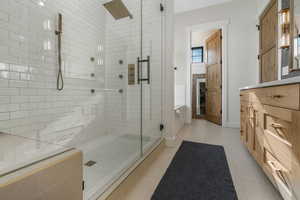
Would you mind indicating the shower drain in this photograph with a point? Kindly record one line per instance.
(90, 163)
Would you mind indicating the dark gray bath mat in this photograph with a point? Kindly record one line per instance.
(197, 172)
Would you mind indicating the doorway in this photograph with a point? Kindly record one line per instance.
(221, 26)
(206, 51)
(199, 96)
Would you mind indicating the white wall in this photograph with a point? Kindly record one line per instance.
(187, 5)
(261, 4)
(198, 39)
(169, 94)
(198, 68)
(242, 46)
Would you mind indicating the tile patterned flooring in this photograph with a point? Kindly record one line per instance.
(249, 180)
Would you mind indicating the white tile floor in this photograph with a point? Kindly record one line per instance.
(249, 180)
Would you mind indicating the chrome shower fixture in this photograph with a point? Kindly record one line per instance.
(117, 9)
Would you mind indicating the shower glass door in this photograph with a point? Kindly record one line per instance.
(151, 73)
(121, 140)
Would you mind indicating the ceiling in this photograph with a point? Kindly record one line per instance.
(187, 5)
(199, 37)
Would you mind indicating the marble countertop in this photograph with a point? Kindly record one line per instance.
(274, 83)
(17, 152)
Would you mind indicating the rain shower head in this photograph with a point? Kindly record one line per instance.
(117, 9)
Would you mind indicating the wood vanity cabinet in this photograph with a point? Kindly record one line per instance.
(270, 129)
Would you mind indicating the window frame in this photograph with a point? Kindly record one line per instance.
(201, 57)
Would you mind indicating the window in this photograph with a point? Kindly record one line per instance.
(197, 54)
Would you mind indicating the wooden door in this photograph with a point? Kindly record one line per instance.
(214, 78)
(268, 43)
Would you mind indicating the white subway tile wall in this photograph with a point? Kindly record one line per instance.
(30, 105)
(97, 105)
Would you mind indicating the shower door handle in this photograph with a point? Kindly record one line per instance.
(140, 79)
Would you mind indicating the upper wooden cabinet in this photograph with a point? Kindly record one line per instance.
(268, 22)
(269, 43)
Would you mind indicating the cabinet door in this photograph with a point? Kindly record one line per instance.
(243, 121)
(268, 42)
(258, 140)
(250, 128)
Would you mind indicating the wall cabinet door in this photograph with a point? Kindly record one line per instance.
(268, 43)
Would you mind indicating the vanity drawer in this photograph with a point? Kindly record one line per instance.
(279, 175)
(278, 134)
(280, 149)
(287, 96)
(278, 121)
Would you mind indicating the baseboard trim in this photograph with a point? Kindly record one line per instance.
(231, 125)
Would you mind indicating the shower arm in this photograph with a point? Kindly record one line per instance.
(60, 80)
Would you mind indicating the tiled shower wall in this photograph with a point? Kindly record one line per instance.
(30, 105)
(123, 43)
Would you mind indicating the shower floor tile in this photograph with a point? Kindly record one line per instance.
(113, 155)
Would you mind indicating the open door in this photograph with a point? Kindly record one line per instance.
(214, 78)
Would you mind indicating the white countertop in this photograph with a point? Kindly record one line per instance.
(274, 83)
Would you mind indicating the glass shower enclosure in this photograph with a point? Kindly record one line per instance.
(111, 65)
(133, 93)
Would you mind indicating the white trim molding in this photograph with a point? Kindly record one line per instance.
(223, 25)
